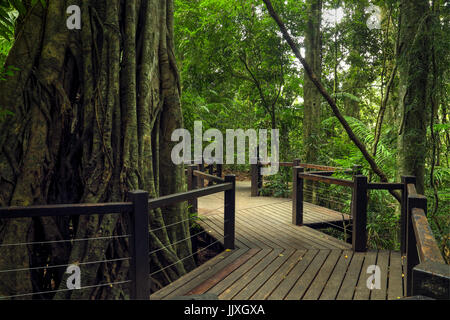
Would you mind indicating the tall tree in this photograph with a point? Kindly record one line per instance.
(311, 96)
(94, 110)
(413, 67)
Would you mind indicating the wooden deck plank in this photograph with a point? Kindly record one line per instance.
(273, 230)
(261, 278)
(162, 293)
(362, 292)
(314, 213)
(256, 236)
(286, 226)
(310, 215)
(253, 239)
(395, 284)
(351, 277)
(236, 287)
(216, 278)
(269, 286)
(305, 241)
(288, 282)
(316, 239)
(267, 233)
(205, 274)
(308, 276)
(319, 282)
(275, 259)
(229, 280)
(216, 231)
(383, 263)
(334, 282)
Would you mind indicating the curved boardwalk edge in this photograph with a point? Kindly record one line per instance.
(278, 274)
(276, 260)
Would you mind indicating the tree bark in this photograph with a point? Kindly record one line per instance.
(413, 67)
(312, 97)
(94, 110)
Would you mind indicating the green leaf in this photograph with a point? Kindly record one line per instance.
(18, 5)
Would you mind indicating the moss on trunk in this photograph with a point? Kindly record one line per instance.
(93, 113)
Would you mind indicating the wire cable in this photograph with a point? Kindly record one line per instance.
(63, 290)
(183, 221)
(340, 202)
(62, 241)
(180, 260)
(65, 265)
(179, 241)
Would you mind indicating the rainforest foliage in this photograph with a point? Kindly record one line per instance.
(86, 116)
(385, 64)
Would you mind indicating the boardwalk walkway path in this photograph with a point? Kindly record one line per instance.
(275, 259)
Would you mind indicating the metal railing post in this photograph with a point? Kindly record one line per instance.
(254, 171)
(230, 209)
(359, 213)
(297, 196)
(412, 256)
(404, 211)
(219, 170)
(192, 185)
(139, 246)
(357, 170)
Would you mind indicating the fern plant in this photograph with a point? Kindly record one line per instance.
(386, 154)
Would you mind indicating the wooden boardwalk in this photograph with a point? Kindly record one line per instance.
(275, 259)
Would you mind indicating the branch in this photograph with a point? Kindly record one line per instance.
(328, 98)
(281, 85)
(382, 111)
(258, 86)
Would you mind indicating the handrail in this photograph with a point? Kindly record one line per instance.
(188, 195)
(427, 274)
(303, 165)
(330, 173)
(138, 210)
(208, 177)
(330, 180)
(65, 209)
(384, 186)
(319, 167)
(426, 243)
(427, 246)
(257, 178)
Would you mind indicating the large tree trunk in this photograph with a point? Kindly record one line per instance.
(413, 67)
(93, 113)
(312, 96)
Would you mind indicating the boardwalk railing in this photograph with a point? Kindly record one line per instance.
(209, 167)
(358, 185)
(138, 209)
(195, 177)
(257, 178)
(427, 274)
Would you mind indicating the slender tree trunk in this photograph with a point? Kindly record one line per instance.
(94, 110)
(328, 98)
(413, 66)
(312, 97)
